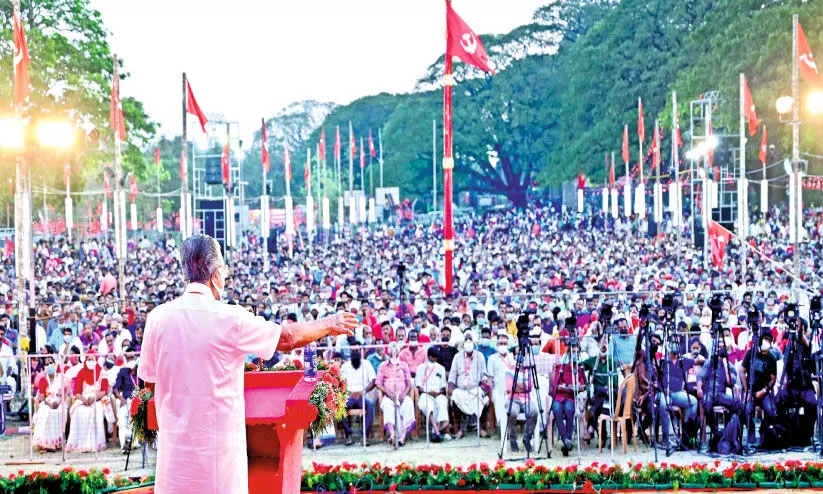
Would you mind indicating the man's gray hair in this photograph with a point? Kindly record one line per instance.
(201, 257)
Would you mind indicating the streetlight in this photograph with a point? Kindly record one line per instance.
(57, 134)
(814, 102)
(784, 105)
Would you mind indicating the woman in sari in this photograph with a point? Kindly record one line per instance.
(49, 419)
(87, 432)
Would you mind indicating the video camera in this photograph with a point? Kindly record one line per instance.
(522, 325)
(815, 312)
(571, 327)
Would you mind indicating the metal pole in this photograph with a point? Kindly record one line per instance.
(742, 209)
(184, 166)
(380, 145)
(362, 175)
(434, 165)
(351, 163)
(795, 159)
(677, 212)
(20, 222)
(119, 227)
(706, 193)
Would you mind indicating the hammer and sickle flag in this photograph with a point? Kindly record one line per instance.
(463, 43)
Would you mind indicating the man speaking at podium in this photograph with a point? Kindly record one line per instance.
(194, 349)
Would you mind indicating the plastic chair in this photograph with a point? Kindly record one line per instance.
(621, 423)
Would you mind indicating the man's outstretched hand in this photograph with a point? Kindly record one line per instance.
(342, 323)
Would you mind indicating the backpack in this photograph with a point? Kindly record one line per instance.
(729, 441)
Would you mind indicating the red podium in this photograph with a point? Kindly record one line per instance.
(277, 413)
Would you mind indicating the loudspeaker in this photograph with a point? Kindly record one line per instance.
(214, 171)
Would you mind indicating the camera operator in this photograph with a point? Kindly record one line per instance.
(796, 389)
(765, 372)
(599, 366)
(716, 383)
(565, 386)
(673, 373)
(623, 345)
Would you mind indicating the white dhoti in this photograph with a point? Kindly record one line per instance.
(470, 401)
(48, 427)
(87, 433)
(405, 412)
(500, 400)
(439, 406)
(124, 429)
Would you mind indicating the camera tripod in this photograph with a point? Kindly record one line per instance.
(525, 363)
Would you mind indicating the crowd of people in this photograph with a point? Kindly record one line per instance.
(424, 360)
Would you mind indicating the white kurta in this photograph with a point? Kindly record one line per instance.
(193, 350)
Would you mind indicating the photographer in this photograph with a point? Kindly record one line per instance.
(599, 366)
(564, 388)
(716, 382)
(796, 389)
(765, 372)
(671, 393)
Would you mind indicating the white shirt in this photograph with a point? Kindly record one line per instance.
(357, 379)
(199, 391)
(497, 368)
(430, 377)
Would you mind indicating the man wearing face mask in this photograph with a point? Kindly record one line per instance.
(485, 344)
(671, 392)
(359, 378)
(565, 387)
(716, 382)
(211, 392)
(623, 345)
(411, 354)
(498, 367)
(765, 372)
(431, 383)
(468, 399)
(599, 366)
(394, 381)
(446, 352)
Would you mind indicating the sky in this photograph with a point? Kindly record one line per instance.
(247, 59)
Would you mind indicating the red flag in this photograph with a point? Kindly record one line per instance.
(611, 175)
(362, 155)
(66, 174)
(307, 175)
(748, 110)
(679, 139)
(805, 60)
(264, 152)
(626, 143)
(9, 247)
(116, 111)
(581, 181)
(337, 143)
(321, 154)
(764, 146)
(224, 165)
(641, 125)
(193, 108)
(655, 150)
(719, 238)
(463, 43)
(132, 188)
(21, 61)
(352, 143)
(287, 164)
(156, 156)
(372, 151)
(106, 185)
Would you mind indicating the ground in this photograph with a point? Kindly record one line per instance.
(14, 455)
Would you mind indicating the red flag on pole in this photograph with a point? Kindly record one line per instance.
(463, 43)
(749, 110)
(287, 164)
(321, 155)
(372, 151)
(764, 146)
(352, 142)
(193, 108)
(641, 124)
(337, 143)
(805, 59)
(132, 188)
(611, 174)
(116, 111)
(719, 238)
(21, 61)
(224, 165)
(626, 143)
(156, 156)
(655, 149)
(264, 152)
(106, 185)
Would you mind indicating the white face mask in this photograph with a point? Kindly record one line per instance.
(90, 364)
(766, 346)
(468, 346)
(502, 349)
